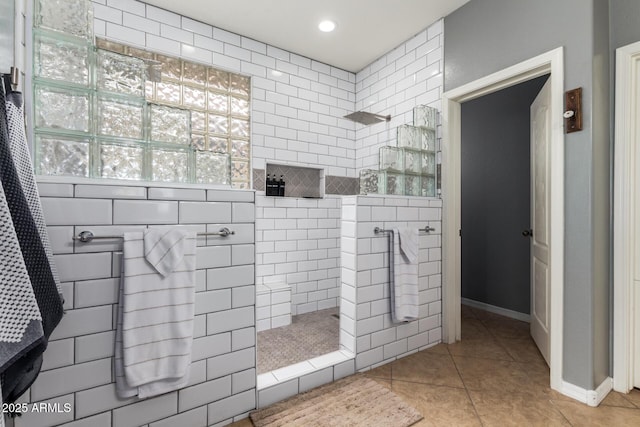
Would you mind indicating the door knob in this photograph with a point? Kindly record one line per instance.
(527, 233)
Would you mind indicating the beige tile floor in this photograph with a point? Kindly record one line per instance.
(494, 377)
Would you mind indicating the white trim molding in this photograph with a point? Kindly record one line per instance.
(550, 62)
(590, 397)
(497, 310)
(624, 234)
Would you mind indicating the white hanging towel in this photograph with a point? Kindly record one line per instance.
(404, 274)
(164, 250)
(154, 334)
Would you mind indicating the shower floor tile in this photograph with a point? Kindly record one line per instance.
(309, 335)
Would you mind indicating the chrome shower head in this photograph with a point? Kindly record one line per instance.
(366, 118)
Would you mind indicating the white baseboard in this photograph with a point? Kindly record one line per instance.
(574, 392)
(589, 397)
(596, 396)
(497, 310)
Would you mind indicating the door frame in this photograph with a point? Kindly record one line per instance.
(550, 62)
(625, 168)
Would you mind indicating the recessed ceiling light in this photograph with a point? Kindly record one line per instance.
(327, 26)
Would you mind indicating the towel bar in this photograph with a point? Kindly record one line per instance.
(378, 230)
(87, 236)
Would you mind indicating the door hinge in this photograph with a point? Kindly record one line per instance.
(460, 232)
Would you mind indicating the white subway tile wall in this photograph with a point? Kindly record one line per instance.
(365, 311)
(409, 75)
(298, 243)
(273, 306)
(78, 363)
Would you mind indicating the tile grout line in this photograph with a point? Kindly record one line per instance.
(553, 403)
(425, 384)
(466, 390)
(624, 396)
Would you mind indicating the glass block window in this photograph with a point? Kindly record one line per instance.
(107, 110)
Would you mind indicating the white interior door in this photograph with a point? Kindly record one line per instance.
(626, 221)
(540, 293)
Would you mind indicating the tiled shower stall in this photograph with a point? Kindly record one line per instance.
(366, 331)
(322, 248)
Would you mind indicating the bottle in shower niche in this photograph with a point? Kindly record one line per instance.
(268, 186)
(281, 186)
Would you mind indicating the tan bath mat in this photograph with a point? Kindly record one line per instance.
(353, 401)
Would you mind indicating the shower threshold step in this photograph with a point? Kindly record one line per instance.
(277, 376)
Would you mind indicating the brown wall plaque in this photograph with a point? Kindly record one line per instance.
(573, 104)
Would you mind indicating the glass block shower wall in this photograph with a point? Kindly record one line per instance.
(410, 167)
(107, 110)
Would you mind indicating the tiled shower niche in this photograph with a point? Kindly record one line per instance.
(107, 110)
(410, 167)
(300, 181)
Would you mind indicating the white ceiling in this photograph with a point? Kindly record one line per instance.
(366, 29)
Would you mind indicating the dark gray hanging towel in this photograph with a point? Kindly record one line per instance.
(22, 160)
(17, 378)
(21, 334)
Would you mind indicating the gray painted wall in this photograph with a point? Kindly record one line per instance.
(602, 181)
(485, 36)
(496, 197)
(624, 18)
